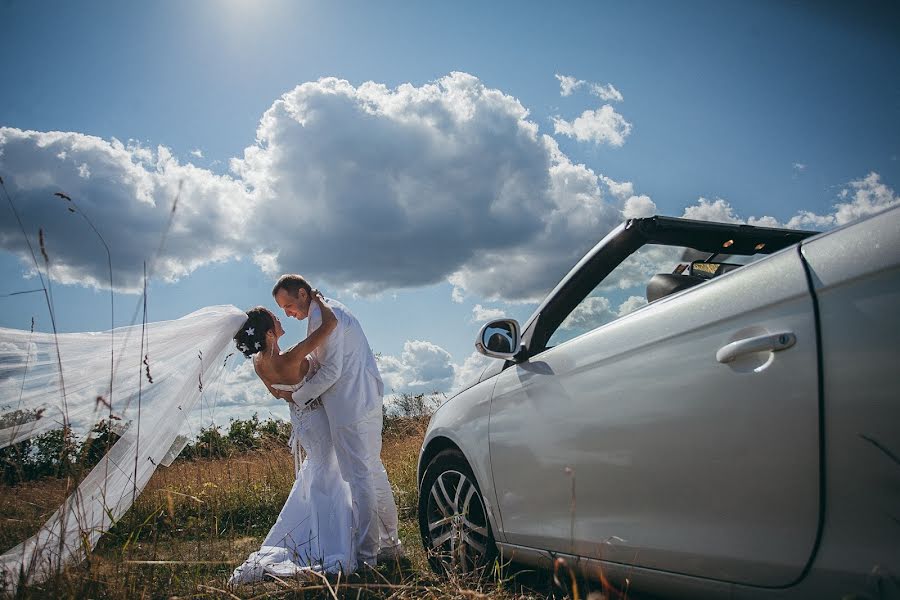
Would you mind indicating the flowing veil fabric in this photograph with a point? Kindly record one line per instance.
(160, 372)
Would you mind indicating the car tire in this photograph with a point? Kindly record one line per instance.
(453, 519)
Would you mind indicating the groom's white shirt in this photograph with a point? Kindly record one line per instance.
(347, 380)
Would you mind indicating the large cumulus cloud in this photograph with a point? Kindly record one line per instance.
(375, 188)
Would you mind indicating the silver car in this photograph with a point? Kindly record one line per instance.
(697, 409)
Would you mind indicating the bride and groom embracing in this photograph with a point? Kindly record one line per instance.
(340, 512)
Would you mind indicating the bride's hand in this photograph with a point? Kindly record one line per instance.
(317, 296)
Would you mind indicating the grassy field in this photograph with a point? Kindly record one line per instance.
(197, 520)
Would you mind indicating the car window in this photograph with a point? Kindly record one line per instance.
(622, 292)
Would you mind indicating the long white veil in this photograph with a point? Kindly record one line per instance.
(159, 373)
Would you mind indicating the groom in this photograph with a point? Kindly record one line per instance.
(351, 390)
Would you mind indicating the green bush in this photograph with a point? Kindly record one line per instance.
(59, 453)
(243, 435)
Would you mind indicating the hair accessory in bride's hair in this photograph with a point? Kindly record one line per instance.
(252, 337)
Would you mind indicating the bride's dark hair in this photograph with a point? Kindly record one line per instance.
(251, 337)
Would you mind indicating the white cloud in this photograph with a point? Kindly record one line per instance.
(595, 311)
(636, 270)
(639, 206)
(470, 370)
(197, 152)
(568, 84)
(447, 181)
(267, 262)
(422, 367)
(859, 198)
(481, 314)
(711, 210)
(633, 206)
(631, 304)
(420, 180)
(592, 312)
(621, 190)
(607, 92)
(798, 168)
(600, 126)
(127, 192)
(864, 196)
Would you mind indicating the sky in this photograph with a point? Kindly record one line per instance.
(430, 165)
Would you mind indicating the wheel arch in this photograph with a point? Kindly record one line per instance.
(434, 447)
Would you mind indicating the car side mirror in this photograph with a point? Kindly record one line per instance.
(499, 338)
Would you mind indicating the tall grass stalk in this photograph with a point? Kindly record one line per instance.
(74, 208)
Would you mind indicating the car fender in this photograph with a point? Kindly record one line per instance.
(462, 423)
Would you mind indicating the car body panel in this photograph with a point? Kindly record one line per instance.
(647, 451)
(463, 422)
(620, 580)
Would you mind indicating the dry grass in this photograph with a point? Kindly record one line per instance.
(199, 519)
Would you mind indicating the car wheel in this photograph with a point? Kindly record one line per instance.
(452, 517)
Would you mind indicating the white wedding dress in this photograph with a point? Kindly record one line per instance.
(314, 531)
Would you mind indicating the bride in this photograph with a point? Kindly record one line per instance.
(313, 532)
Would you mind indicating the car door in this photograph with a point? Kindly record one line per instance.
(632, 443)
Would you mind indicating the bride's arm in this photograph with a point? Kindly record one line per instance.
(317, 337)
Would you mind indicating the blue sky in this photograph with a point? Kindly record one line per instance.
(427, 199)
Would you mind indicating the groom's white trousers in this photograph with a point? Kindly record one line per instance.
(358, 450)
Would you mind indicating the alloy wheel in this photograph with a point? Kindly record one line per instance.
(458, 533)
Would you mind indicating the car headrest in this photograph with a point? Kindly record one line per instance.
(663, 284)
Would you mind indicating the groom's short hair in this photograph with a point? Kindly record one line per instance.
(292, 284)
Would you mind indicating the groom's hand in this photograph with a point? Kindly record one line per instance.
(286, 396)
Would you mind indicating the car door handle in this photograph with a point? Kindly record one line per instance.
(772, 342)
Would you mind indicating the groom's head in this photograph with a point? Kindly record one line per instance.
(292, 293)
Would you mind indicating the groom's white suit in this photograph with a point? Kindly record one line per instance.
(351, 390)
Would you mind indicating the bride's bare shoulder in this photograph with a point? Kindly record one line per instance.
(263, 369)
(277, 369)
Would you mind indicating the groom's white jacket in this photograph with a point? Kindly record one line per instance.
(347, 380)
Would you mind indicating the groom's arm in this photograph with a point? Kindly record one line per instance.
(331, 364)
